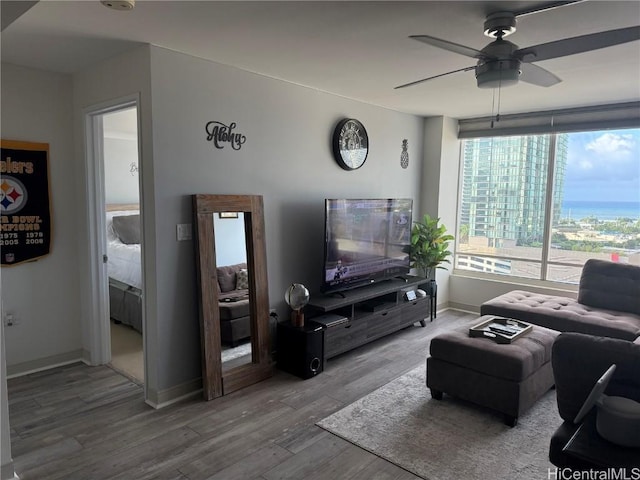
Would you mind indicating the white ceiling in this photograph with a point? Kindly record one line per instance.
(358, 50)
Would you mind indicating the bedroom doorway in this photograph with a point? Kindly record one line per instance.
(116, 238)
(122, 210)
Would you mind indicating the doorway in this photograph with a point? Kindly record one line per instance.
(116, 219)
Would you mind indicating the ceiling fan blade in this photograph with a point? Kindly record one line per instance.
(452, 47)
(466, 69)
(545, 6)
(536, 75)
(583, 43)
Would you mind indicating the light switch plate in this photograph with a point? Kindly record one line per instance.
(183, 231)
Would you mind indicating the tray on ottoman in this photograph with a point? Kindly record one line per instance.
(500, 329)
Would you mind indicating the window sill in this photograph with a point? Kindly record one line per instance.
(517, 282)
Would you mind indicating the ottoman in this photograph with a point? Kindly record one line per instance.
(507, 378)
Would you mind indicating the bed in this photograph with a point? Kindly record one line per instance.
(124, 265)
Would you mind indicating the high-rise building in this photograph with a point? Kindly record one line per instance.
(504, 184)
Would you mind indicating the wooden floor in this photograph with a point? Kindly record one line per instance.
(79, 422)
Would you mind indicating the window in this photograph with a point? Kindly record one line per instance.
(539, 206)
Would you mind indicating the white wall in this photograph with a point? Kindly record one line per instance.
(286, 158)
(439, 185)
(231, 246)
(44, 295)
(121, 183)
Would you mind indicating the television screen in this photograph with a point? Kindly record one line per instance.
(366, 240)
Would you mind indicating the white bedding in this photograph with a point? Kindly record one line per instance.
(124, 260)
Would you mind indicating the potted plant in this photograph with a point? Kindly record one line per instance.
(429, 246)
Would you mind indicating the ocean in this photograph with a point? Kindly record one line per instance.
(601, 210)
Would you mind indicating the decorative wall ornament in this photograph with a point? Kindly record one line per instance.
(350, 144)
(25, 218)
(219, 134)
(404, 156)
(133, 168)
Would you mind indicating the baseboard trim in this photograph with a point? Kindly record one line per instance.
(46, 363)
(463, 307)
(164, 398)
(7, 472)
(86, 356)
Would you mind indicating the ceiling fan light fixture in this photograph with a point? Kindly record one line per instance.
(500, 24)
(122, 5)
(501, 73)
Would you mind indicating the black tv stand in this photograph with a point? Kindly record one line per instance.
(368, 313)
(338, 294)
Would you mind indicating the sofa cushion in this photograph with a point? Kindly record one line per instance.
(563, 314)
(227, 276)
(235, 309)
(610, 285)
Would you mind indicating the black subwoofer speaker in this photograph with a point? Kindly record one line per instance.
(300, 350)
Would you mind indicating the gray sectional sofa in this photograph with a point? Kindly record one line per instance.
(233, 296)
(608, 303)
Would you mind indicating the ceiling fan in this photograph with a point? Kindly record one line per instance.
(502, 63)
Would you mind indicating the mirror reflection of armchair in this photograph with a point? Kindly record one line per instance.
(578, 361)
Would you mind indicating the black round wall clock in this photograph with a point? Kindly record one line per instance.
(350, 144)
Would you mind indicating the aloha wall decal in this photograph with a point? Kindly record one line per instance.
(221, 134)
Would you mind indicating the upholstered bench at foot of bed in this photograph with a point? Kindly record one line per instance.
(563, 314)
(507, 378)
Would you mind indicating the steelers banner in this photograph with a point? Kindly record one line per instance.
(25, 216)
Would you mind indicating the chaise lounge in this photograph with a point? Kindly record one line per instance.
(608, 303)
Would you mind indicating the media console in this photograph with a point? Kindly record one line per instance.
(355, 317)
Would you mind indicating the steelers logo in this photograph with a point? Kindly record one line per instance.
(13, 195)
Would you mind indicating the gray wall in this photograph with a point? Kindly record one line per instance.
(43, 295)
(286, 158)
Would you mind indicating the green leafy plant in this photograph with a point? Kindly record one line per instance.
(429, 245)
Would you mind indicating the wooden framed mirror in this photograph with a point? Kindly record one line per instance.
(218, 377)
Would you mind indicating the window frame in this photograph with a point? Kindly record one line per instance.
(545, 261)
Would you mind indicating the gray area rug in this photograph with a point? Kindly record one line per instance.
(229, 353)
(447, 439)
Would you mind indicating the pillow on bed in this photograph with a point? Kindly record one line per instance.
(127, 228)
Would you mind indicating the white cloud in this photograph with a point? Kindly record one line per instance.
(585, 164)
(612, 144)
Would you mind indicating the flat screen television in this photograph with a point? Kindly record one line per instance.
(366, 241)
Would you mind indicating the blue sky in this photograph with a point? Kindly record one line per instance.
(603, 166)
